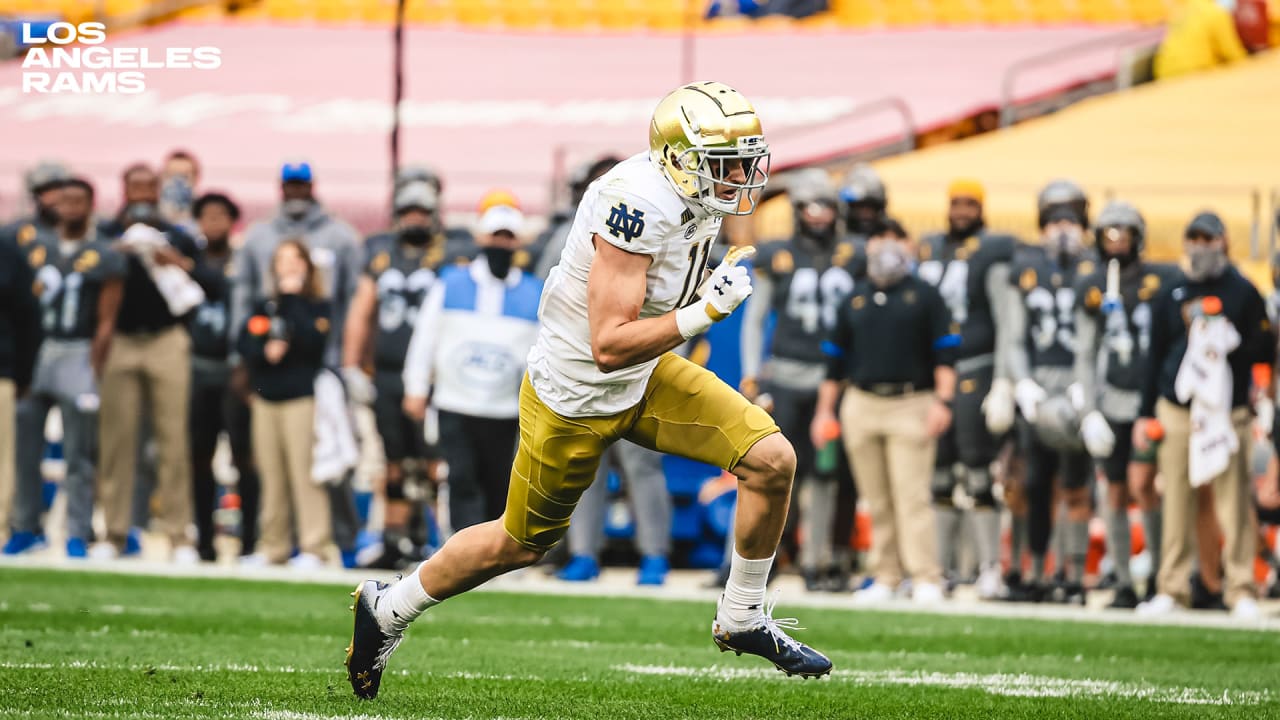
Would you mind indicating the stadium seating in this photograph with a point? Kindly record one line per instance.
(630, 15)
(1117, 146)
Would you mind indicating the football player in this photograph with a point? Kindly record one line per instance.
(1113, 333)
(1040, 343)
(969, 266)
(863, 201)
(399, 268)
(627, 291)
(80, 282)
(800, 281)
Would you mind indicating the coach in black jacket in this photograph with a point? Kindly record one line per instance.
(1213, 286)
(19, 337)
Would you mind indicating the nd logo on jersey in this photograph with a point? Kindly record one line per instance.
(625, 223)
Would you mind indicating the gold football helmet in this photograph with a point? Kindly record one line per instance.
(706, 139)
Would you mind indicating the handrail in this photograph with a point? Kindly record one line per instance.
(1120, 40)
(888, 102)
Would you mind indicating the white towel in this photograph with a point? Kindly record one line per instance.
(180, 292)
(335, 451)
(1204, 379)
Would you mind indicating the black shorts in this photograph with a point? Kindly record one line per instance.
(401, 436)
(967, 440)
(793, 411)
(1116, 467)
(1045, 465)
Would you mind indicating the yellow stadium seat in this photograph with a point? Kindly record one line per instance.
(1050, 12)
(906, 13)
(621, 14)
(77, 11)
(525, 14)
(958, 12)
(289, 10)
(856, 13)
(203, 13)
(378, 12)
(570, 14)
(123, 8)
(431, 12)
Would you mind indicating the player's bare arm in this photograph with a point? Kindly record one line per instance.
(615, 292)
(355, 341)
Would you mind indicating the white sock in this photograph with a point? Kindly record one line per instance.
(742, 605)
(404, 603)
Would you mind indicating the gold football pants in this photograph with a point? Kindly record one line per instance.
(686, 410)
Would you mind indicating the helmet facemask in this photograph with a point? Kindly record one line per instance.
(743, 168)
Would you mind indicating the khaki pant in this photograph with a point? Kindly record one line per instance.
(8, 411)
(1232, 503)
(892, 459)
(283, 439)
(146, 373)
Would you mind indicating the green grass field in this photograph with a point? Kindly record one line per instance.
(91, 645)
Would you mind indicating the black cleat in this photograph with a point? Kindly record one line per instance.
(1030, 592)
(370, 646)
(1072, 594)
(1125, 598)
(770, 642)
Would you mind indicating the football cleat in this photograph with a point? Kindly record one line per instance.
(371, 645)
(1125, 598)
(23, 542)
(771, 642)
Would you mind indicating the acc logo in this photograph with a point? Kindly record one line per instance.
(26, 234)
(1028, 279)
(842, 255)
(433, 257)
(1093, 298)
(624, 222)
(783, 262)
(1150, 286)
(87, 261)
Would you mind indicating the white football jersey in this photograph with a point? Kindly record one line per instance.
(633, 207)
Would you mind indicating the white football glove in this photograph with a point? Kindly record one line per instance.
(1098, 438)
(998, 407)
(359, 388)
(1028, 394)
(728, 287)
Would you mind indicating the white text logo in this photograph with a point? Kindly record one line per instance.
(67, 58)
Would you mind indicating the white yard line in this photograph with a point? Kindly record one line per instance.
(1011, 685)
(620, 583)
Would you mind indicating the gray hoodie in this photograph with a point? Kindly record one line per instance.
(335, 250)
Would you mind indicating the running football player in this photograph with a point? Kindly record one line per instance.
(627, 291)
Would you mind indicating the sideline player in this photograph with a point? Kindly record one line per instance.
(1113, 333)
(626, 293)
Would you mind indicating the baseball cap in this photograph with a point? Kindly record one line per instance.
(296, 172)
(1206, 223)
(420, 195)
(46, 176)
(501, 217)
